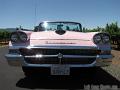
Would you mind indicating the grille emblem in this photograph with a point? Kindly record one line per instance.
(60, 56)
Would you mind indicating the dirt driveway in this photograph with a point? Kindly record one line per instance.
(114, 68)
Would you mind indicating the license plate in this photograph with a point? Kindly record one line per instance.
(60, 70)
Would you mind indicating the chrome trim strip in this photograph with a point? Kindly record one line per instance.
(71, 65)
(64, 56)
(41, 56)
(104, 56)
(55, 47)
(19, 58)
(77, 56)
(13, 55)
(105, 48)
(60, 47)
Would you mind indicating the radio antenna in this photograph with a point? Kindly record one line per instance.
(35, 13)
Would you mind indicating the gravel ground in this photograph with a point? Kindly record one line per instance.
(114, 68)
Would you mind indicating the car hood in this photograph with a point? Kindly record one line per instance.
(69, 35)
(69, 38)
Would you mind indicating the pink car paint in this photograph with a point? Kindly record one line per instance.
(51, 38)
(59, 49)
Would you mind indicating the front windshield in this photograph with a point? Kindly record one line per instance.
(67, 26)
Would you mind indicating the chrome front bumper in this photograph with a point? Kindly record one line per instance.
(18, 60)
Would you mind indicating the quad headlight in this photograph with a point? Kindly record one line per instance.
(106, 39)
(23, 37)
(19, 37)
(97, 39)
(14, 37)
(101, 38)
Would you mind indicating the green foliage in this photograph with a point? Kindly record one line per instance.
(98, 29)
(4, 35)
(112, 29)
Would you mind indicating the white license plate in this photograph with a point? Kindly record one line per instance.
(60, 70)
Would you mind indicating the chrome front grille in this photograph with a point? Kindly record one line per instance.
(58, 61)
(35, 51)
(51, 56)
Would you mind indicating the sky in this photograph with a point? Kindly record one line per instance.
(29, 13)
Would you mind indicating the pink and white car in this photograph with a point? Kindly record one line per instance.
(58, 46)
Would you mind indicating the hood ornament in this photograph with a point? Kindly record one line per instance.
(60, 32)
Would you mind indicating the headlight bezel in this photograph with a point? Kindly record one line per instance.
(107, 37)
(23, 39)
(103, 36)
(19, 37)
(97, 39)
(15, 35)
